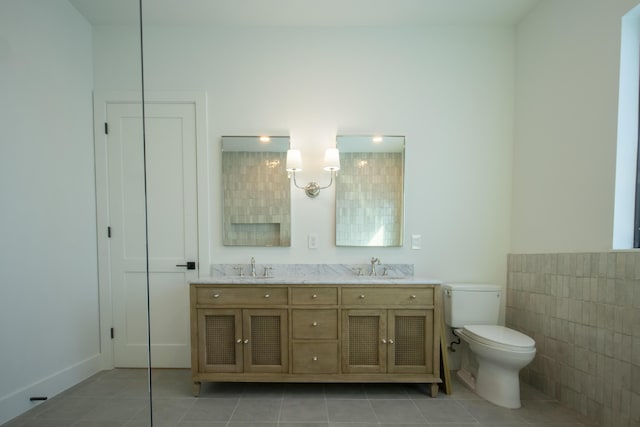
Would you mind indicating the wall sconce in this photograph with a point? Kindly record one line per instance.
(331, 163)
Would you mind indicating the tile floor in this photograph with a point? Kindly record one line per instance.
(118, 398)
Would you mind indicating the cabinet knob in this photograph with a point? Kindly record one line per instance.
(239, 340)
(314, 324)
(246, 341)
(267, 296)
(390, 341)
(362, 296)
(315, 358)
(413, 297)
(216, 295)
(314, 296)
(384, 341)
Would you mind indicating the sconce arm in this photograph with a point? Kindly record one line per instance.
(312, 189)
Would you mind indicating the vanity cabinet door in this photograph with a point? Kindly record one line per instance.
(265, 340)
(410, 341)
(220, 345)
(236, 340)
(387, 341)
(364, 342)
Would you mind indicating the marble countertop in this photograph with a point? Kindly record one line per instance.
(316, 280)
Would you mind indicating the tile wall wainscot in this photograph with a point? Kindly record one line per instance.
(583, 310)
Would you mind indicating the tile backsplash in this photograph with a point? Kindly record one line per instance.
(583, 310)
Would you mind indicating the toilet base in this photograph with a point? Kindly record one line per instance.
(498, 385)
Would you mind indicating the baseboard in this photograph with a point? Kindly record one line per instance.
(468, 379)
(17, 402)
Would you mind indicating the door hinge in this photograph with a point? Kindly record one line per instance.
(113, 334)
(109, 232)
(106, 128)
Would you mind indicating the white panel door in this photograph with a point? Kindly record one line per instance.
(172, 226)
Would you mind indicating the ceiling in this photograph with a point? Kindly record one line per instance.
(306, 12)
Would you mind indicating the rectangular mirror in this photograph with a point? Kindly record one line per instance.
(370, 191)
(256, 191)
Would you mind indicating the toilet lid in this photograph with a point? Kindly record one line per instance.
(504, 337)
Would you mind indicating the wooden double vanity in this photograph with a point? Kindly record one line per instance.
(354, 330)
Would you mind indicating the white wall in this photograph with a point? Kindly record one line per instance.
(48, 273)
(449, 90)
(568, 58)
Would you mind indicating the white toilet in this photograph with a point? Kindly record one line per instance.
(472, 311)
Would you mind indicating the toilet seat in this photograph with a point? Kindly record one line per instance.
(500, 337)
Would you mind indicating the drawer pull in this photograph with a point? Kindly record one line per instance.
(267, 296)
(239, 340)
(314, 324)
(390, 341)
(361, 296)
(216, 295)
(246, 341)
(384, 341)
(314, 296)
(315, 358)
(413, 297)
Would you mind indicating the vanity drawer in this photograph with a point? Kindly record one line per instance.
(315, 324)
(319, 295)
(387, 296)
(242, 296)
(315, 358)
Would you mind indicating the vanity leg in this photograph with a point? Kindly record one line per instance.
(434, 389)
(195, 389)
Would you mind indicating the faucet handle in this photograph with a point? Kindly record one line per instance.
(266, 271)
(239, 269)
(357, 270)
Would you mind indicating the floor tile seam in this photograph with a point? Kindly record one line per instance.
(280, 410)
(235, 408)
(373, 411)
(463, 408)
(326, 405)
(148, 408)
(424, 419)
(81, 417)
(193, 403)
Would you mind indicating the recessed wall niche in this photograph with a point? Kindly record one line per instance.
(256, 191)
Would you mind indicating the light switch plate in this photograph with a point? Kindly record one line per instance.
(313, 241)
(416, 241)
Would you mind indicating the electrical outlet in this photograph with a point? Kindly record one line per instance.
(416, 241)
(313, 241)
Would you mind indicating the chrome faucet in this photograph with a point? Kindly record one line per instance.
(253, 267)
(374, 261)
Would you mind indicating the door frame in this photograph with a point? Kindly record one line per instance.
(100, 102)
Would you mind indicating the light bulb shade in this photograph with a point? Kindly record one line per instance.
(294, 161)
(332, 159)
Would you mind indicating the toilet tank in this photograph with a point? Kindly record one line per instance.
(471, 304)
